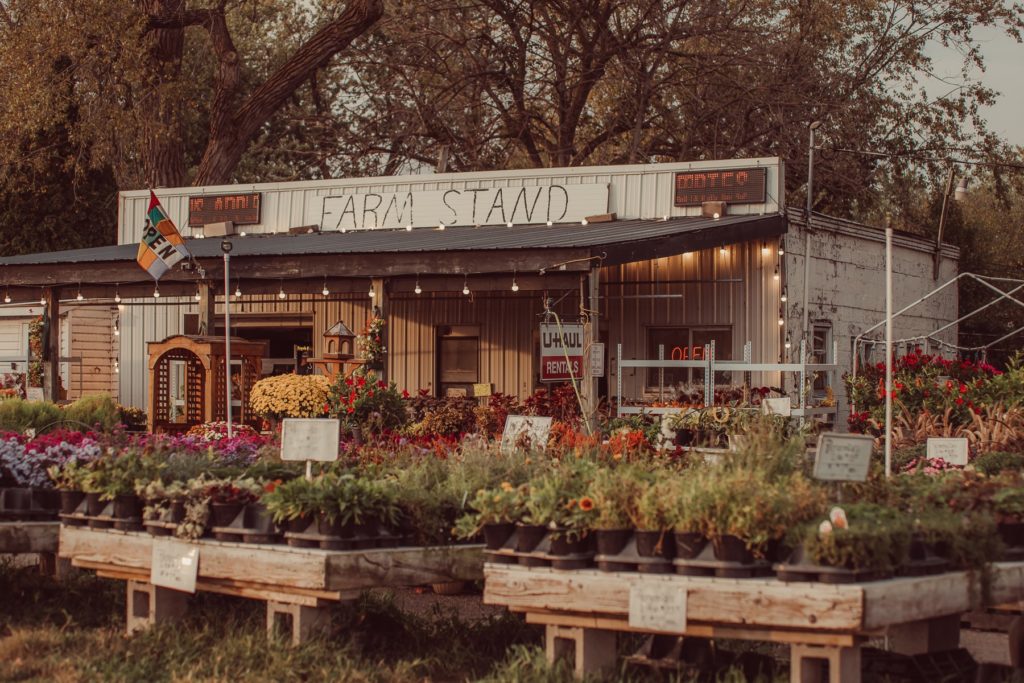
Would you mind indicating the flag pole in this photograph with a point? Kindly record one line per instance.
(225, 246)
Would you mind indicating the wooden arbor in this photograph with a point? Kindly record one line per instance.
(187, 381)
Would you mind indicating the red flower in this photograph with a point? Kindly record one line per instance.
(327, 407)
(351, 409)
(963, 388)
(349, 381)
(959, 401)
(381, 384)
(405, 393)
(361, 382)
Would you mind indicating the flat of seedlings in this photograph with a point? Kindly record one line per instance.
(857, 609)
(29, 537)
(278, 568)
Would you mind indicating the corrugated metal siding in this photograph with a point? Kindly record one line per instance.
(508, 346)
(747, 306)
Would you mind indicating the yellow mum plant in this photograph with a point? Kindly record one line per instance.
(289, 395)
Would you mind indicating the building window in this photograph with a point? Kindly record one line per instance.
(686, 343)
(458, 359)
(820, 352)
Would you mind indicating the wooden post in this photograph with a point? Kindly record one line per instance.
(207, 309)
(380, 302)
(52, 342)
(591, 334)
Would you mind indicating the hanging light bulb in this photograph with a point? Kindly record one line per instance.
(418, 289)
(782, 250)
(440, 226)
(238, 289)
(198, 296)
(785, 296)
(775, 276)
(156, 292)
(408, 228)
(117, 295)
(371, 292)
(781, 322)
(117, 329)
(509, 224)
(515, 285)
(7, 297)
(281, 294)
(242, 234)
(465, 286)
(325, 291)
(550, 223)
(584, 222)
(722, 250)
(765, 250)
(79, 297)
(42, 300)
(117, 367)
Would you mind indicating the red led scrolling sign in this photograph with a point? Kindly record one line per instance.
(733, 186)
(240, 209)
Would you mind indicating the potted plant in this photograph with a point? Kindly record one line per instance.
(366, 404)
(227, 497)
(862, 537)
(689, 513)
(163, 502)
(114, 479)
(296, 503)
(68, 480)
(1008, 506)
(557, 501)
(494, 512)
(615, 492)
(652, 519)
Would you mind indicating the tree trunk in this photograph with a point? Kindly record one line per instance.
(232, 131)
(163, 156)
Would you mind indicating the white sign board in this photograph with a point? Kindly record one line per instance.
(843, 457)
(310, 438)
(525, 429)
(35, 394)
(777, 406)
(561, 352)
(953, 451)
(597, 359)
(175, 564)
(533, 205)
(657, 606)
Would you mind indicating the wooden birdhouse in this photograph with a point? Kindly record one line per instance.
(339, 342)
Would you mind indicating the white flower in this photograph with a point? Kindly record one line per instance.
(824, 529)
(838, 518)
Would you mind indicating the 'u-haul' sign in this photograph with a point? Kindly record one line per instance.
(561, 352)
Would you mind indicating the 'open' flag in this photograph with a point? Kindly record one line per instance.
(162, 245)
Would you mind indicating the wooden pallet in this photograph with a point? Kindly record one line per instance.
(821, 622)
(299, 583)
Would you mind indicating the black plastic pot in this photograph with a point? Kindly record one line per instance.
(176, 512)
(1012, 533)
(70, 500)
(689, 544)
(46, 499)
(528, 536)
(568, 542)
(326, 527)
(257, 517)
(93, 505)
(655, 544)
(612, 541)
(496, 535)
(16, 499)
(730, 548)
(223, 514)
(298, 525)
(127, 507)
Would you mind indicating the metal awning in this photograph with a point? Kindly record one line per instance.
(423, 251)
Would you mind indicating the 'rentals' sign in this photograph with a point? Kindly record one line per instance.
(537, 204)
(732, 186)
(240, 209)
(561, 352)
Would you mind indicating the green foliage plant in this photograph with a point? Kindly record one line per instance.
(99, 412)
(875, 538)
(500, 505)
(616, 492)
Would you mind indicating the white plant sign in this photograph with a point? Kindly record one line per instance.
(843, 457)
(953, 451)
(657, 606)
(310, 439)
(175, 565)
(529, 429)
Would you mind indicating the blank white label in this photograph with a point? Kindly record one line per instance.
(777, 406)
(657, 606)
(175, 565)
(310, 438)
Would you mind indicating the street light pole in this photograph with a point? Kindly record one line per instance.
(226, 246)
(961, 192)
(807, 233)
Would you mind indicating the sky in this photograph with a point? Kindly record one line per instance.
(1004, 59)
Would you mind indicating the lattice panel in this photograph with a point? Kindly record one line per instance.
(195, 377)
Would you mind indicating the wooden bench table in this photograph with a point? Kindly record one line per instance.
(583, 610)
(18, 538)
(298, 584)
